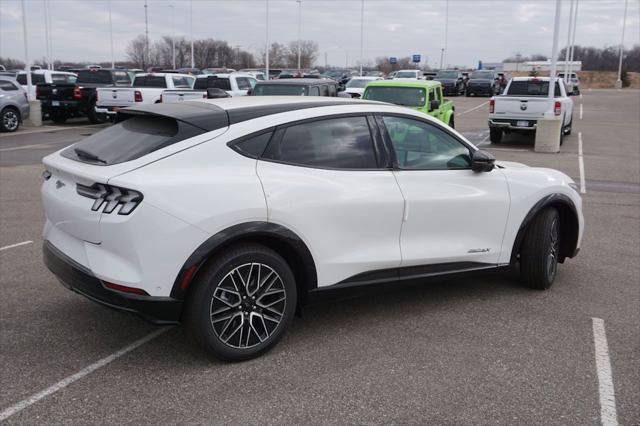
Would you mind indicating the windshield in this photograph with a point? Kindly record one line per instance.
(487, 75)
(405, 96)
(406, 74)
(531, 88)
(279, 90)
(358, 83)
(447, 74)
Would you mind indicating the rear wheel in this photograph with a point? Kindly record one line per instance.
(540, 250)
(495, 135)
(242, 303)
(9, 120)
(96, 117)
(58, 116)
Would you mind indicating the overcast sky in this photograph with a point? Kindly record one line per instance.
(478, 30)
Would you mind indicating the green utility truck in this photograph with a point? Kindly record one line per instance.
(422, 95)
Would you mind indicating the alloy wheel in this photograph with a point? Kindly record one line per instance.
(10, 120)
(554, 248)
(248, 305)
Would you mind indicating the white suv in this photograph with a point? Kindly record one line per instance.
(230, 214)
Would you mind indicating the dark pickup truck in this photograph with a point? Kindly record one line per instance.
(60, 101)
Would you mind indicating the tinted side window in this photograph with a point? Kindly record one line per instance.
(243, 83)
(253, 146)
(422, 146)
(181, 82)
(324, 90)
(314, 91)
(7, 85)
(343, 143)
(121, 78)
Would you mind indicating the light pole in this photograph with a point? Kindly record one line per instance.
(446, 36)
(266, 50)
(441, 57)
(147, 57)
(624, 24)
(46, 33)
(554, 53)
(193, 64)
(573, 37)
(566, 52)
(113, 64)
(299, 32)
(27, 65)
(361, 34)
(173, 35)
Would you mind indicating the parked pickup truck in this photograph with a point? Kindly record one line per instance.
(422, 95)
(524, 102)
(147, 88)
(62, 100)
(231, 84)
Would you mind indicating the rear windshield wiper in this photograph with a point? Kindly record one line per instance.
(88, 156)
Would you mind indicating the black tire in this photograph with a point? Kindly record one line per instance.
(58, 117)
(562, 135)
(540, 250)
(240, 311)
(467, 94)
(452, 122)
(567, 129)
(95, 117)
(9, 119)
(495, 135)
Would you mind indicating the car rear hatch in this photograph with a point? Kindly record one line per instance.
(76, 188)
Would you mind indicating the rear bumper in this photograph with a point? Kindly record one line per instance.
(49, 105)
(76, 277)
(508, 124)
(110, 110)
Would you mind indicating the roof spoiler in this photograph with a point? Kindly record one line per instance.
(205, 116)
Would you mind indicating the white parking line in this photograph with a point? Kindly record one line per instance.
(473, 109)
(583, 187)
(5, 414)
(580, 111)
(483, 141)
(608, 415)
(45, 129)
(15, 245)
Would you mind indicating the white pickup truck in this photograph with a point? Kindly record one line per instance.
(523, 102)
(207, 85)
(146, 89)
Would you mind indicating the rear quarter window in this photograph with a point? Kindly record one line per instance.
(131, 139)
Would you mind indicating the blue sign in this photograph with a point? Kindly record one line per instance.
(393, 60)
(416, 58)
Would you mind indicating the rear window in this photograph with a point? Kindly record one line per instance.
(150, 81)
(130, 139)
(531, 88)
(212, 83)
(279, 90)
(94, 77)
(63, 78)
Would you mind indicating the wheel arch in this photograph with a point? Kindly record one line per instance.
(278, 238)
(569, 225)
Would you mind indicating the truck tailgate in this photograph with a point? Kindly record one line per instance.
(173, 96)
(520, 107)
(55, 92)
(116, 97)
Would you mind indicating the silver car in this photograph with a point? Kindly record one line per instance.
(14, 105)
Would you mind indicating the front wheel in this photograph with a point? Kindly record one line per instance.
(242, 303)
(540, 250)
(9, 120)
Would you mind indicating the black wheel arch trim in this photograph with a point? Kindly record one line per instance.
(569, 225)
(284, 241)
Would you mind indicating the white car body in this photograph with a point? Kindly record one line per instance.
(517, 112)
(358, 91)
(235, 84)
(347, 223)
(408, 75)
(43, 76)
(112, 99)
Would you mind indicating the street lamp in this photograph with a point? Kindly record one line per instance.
(266, 50)
(361, 35)
(173, 35)
(299, 31)
(113, 64)
(193, 65)
(624, 24)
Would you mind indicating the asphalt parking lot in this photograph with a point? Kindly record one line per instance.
(468, 351)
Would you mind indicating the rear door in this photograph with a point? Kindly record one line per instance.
(322, 180)
(452, 214)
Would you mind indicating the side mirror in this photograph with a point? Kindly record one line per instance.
(482, 161)
(434, 104)
(214, 93)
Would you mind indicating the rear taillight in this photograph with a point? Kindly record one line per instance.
(125, 289)
(557, 108)
(137, 96)
(492, 106)
(108, 197)
(77, 94)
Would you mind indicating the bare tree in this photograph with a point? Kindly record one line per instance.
(308, 53)
(136, 51)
